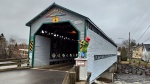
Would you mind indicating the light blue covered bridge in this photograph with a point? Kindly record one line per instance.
(54, 35)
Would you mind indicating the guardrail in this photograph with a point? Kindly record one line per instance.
(70, 77)
(11, 62)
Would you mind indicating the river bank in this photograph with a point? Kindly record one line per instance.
(128, 79)
(131, 79)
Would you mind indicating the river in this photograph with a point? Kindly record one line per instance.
(131, 79)
(128, 79)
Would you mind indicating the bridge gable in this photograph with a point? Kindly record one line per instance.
(56, 13)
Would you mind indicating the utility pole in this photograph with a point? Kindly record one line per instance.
(129, 50)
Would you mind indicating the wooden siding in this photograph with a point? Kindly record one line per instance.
(42, 51)
(99, 46)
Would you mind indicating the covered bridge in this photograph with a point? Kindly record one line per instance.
(54, 35)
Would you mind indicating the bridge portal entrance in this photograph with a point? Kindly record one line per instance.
(55, 43)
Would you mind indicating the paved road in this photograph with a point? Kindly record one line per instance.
(31, 76)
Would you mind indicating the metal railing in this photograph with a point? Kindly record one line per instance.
(12, 62)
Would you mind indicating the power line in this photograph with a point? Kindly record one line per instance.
(146, 40)
(143, 14)
(143, 33)
(143, 19)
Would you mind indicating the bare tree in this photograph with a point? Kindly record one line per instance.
(3, 43)
(11, 47)
(126, 43)
(12, 41)
(16, 51)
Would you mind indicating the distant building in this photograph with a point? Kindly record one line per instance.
(118, 56)
(137, 51)
(23, 50)
(18, 51)
(146, 52)
(118, 53)
(23, 53)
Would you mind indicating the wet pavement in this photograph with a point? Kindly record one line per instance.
(32, 76)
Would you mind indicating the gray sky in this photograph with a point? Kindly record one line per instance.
(115, 17)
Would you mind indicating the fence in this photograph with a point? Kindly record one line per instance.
(12, 62)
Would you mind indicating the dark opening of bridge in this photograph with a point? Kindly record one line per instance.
(63, 44)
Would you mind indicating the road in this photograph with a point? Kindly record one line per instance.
(32, 76)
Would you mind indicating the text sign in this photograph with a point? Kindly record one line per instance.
(80, 63)
(98, 57)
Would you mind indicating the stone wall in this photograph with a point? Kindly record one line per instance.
(131, 69)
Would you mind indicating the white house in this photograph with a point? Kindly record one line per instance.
(146, 52)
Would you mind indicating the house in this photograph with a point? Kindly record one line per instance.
(23, 53)
(137, 51)
(118, 53)
(118, 56)
(146, 52)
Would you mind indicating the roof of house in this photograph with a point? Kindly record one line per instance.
(136, 47)
(147, 46)
(56, 5)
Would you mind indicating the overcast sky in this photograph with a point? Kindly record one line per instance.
(116, 18)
